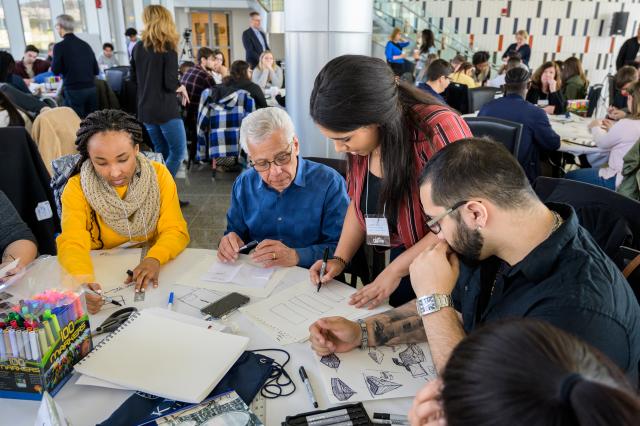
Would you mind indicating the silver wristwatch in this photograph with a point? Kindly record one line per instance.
(433, 303)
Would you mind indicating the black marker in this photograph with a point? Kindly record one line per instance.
(323, 268)
(130, 273)
(307, 384)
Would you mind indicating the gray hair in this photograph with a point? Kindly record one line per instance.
(66, 22)
(260, 124)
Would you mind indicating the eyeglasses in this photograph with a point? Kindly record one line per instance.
(281, 159)
(434, 223)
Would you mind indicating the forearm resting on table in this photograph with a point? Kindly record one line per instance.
(396, 326)
(25, 250)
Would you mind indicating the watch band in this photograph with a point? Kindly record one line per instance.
(433, 303)
(364, 340)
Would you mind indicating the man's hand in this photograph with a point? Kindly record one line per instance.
(145, 273)
(334, 334)
(435, 270)
(94, 303)
(274, 253)
(229, 247)
(427, 408)
(372, 295)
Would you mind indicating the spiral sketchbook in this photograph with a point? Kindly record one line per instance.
(164, 357)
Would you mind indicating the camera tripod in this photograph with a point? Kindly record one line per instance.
(186, 51)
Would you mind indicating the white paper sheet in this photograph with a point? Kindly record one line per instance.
(286, 316)
(240, 273)
(10, 266)
(110, 267)
(378, 373)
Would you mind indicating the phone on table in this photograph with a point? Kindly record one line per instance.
(226, 305)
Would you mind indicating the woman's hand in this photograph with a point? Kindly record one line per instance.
(549, 109)
(146, 272)
(94, 302)
(11, 272)
(552, 85)
(594, 123)
(182, 91)
(427, 408)
(334, 268)
(371, 295)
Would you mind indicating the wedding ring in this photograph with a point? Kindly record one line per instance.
(274, 255)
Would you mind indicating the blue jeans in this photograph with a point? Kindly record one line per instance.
(82, 101)
(591, 176)
(169, 139)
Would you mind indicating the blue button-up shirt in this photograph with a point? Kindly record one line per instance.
(307, 216)
(261, 39)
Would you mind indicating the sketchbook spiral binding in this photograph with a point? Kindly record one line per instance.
(109, 337)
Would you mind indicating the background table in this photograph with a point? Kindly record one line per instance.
(87, 405)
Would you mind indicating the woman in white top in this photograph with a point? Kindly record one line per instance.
(617, 141)
(267, 73)
(220, 71)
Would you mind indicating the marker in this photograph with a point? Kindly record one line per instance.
(33, 342)
(42, 339)
(394, 419)
(14, 344)
(323, 268)
(170, 304)
(105, 299)
(3, 349)
(48, 333)
(26, 344)
(307, 384)
(248, 246)
(130, 273)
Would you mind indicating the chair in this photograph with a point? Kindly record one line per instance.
(593, 96)
(54, 132)
(115, 77)
(337, 164)
(506, 132)
(479, 96)
(457, 97)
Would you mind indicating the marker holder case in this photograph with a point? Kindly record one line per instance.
(357, 409)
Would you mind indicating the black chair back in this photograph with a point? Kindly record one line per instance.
(593, 96)
(457, 97)
(506, 132)
(479, 96)
(115, 78)
(337, 164)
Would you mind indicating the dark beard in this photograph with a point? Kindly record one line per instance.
(468, 244)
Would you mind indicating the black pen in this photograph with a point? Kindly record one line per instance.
(323, 268)
(130, 273)
(248, 246)
(307, 384)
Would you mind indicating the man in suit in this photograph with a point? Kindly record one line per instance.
(254, 40)
(537, 133)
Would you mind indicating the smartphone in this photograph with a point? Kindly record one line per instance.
(224, 306)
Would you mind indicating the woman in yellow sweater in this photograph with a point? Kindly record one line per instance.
(117, 198)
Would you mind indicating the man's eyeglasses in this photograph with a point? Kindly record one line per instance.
(434, 223)
(281, 159)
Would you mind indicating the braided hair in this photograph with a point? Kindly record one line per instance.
(106, 120)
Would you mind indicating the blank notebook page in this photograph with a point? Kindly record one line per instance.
(164, 357)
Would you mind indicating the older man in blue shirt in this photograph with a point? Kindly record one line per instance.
(294, 207)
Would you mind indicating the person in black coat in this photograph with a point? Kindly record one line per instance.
(254, 40)
(240, 78)
(628, 54)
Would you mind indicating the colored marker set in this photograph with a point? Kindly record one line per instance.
(343, 415)
(40, 341)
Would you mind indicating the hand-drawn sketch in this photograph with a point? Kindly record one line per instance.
(379, 386)
(331, 361)
(341, 390)
(376, 355)
(411, 359)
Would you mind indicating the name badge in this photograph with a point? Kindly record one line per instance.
(377, 231)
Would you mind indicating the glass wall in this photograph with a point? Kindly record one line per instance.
(4, 35)
(75, 8)
(37, 23)
(129, 14)
(211, 29)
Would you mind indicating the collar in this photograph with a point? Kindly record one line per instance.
(513, 96)
(68, 35)
(300, 179)
(538, 264)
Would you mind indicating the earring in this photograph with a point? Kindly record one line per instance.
(479, 228)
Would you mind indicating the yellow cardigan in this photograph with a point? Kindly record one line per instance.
(79, 235)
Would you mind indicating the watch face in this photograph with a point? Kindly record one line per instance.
(430, 304)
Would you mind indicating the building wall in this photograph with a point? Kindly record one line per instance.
(558, 28)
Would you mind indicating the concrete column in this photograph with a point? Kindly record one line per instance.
(317, 31)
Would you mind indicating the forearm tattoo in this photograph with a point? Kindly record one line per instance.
(396, 326)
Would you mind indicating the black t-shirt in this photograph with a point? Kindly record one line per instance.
(567, 281)
(373, 207)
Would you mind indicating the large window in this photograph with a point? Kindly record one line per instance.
(129, 14)
(75, 8)
(37, 23)
(4, 36)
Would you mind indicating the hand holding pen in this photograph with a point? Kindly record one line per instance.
(230, 246)
(95, 299)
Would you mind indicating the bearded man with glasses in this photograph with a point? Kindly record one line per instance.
(294, 208)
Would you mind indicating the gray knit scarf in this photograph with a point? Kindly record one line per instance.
(134, 216)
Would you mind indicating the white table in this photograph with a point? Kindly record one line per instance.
(87, 405)
(574, 134)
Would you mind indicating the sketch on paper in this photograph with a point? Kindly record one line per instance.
(331, 361)
(379, 386)
(341, 390)
(376, 355)
(412, 359)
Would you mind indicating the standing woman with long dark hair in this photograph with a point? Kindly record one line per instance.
(427, 47)
(389, 134)
(154, 68)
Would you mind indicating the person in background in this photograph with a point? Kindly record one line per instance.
(546, 89)
(388, 135)
(107, 59)
(396, 58)
(620, 138)
(482, 69)
(196, 80)
(132, 38)
(574, 81)
(16, 239)
(220, 71)
(254, 40)
(7, 75)
(184, 67)
(427, 47)
(154, 68)
(31, 65)
(463, 74)
(629, 53)
(266, 199)
(74, 60)
(10, 115)
(512, 62)
(537, 134)
(521, 47)
(50, 52)
(540, 376)
(267, 73)
(438, 79)
(117, 197)
(625, 76)
(240, 79)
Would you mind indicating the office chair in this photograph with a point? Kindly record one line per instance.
(479, 96)
(456, 96)
(506, 132)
